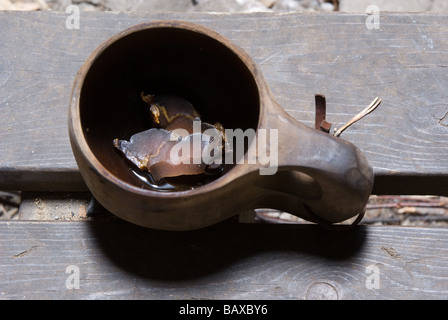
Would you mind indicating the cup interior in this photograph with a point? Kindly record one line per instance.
(162, 60)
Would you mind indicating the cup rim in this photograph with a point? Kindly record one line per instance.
(78, 139)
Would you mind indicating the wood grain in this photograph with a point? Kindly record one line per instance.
(404, 62)
(117, 260)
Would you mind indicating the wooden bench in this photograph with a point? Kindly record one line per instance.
(406, 140)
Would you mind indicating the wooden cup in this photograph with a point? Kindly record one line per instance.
(318, 177)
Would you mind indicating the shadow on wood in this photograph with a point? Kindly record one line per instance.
(174, 256)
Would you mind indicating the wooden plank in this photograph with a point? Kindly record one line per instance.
(404, 62)
(118, 260)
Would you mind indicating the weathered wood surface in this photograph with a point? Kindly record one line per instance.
(118, 260)
(404, 62)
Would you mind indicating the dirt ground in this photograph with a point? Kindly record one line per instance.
(227, 5)
(391, 210)
(173, 5)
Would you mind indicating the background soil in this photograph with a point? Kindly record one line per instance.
(396, 210)
(227, 5)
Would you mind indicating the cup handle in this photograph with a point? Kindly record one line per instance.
(326, 179)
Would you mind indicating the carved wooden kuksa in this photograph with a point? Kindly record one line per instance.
(319, 177)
